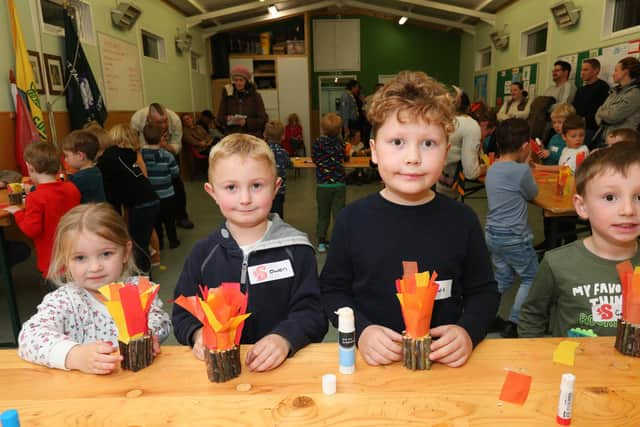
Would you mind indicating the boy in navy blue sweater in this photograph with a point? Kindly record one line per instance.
(407, 221)
(273, 262)
(273, 132)
(80, 149)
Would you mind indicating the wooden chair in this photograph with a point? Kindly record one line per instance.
(462, 185)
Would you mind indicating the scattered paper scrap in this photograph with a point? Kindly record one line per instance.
(515, 388)
(565, 353)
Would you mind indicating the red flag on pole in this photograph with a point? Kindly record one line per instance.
(26, 132)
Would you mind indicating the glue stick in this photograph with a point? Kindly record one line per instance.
(566, 399)
(346, 340)
(9, 418)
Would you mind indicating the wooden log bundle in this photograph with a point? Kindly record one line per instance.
(137, 354)
(628, 338)
(223, 365)
(415, 352)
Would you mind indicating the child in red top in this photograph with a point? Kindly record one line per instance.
(45, 205)
(292, 134)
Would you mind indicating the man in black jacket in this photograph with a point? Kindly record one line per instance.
(590, 97)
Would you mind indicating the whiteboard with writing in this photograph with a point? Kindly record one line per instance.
(121, 74)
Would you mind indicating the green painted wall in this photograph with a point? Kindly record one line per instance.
(523, 15)
(386, 48)
(164, 82)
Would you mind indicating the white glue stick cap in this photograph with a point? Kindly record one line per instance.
(346, 322)
(567, 382)
(329, 384)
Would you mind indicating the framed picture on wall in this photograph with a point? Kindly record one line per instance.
(55, 76)
(34, 60)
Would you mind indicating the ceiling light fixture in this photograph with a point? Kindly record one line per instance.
(273, 10)
(402, 20)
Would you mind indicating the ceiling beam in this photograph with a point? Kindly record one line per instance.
(411, 15)
(196, 19)
(268, 17)
(489, 18)
(481, 6)
(197, 5)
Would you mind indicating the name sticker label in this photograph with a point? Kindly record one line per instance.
(444, 289)
(269, 272)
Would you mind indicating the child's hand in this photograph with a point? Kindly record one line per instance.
(13, 209)
(198, 346)
(268, 353)
(454, 346)
(156, 345)
(544, 154)
(380, 346)
(93, 358)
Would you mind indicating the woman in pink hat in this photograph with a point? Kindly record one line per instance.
(241, 107)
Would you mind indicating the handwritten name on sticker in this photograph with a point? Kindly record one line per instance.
(270, 271)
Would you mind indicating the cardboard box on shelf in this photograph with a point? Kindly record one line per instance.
(295, 47)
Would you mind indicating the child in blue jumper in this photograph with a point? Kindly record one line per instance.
(273, 132)
(510, 186)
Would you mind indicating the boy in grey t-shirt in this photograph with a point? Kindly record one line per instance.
(510, 185)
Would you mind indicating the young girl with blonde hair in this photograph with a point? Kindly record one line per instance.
(72, 328)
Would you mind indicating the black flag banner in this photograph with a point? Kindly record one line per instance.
(84, 100)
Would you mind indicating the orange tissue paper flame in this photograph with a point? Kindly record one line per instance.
(630, 280)
(417, 294)
(129, 306)
(221, 311)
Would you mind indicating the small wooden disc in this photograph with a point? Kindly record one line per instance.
(133, 394)
(243, 387)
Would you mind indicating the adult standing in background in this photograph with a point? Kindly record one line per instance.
(518, 106)
(621, 109)
(349, 110)
(590, 96)
(241, 108)
(562, 89)
(157, 115)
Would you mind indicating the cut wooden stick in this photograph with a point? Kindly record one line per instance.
(415, 352)
(223, 365)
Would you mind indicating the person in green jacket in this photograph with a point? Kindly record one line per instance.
(577, 285)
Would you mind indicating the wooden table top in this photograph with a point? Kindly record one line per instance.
(175, 390)
(5, 217)
(354, 162)
(548, 197)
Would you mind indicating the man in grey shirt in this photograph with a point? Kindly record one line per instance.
(562, 89)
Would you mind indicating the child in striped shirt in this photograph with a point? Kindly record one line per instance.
(162, 169)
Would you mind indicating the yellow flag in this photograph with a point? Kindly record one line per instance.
(24, 73)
